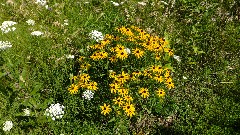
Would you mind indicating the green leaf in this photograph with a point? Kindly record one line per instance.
(37, 87)
(2, 74)
(113, 119)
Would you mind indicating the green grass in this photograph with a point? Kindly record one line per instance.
(205, 34)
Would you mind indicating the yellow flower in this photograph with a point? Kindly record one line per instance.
(118, 101)
(84, 77)
(114, 87)
(108, 36)
(119, 48)
(73, 89)
(136, 73)
(157, 56)
(112, 74)
(170, 85)
(144, 92)
(147, 73)
(85, 66)
(138, 53)
(169, 51)
(113, 59)
(158, 78)
(122, 55)
(160, 92)
(122, 78)
(128, 98)
(92, 86)
(94, 56)
(129, 109)
(105, 109)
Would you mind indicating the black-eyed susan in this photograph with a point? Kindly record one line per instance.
(170, 85)
(157, 56)
(112, 74)
(122, 78)
(129, 109)
(84, 77)
(122, 55)
(92, 86)
(147, 73)
(113, 59)
(136, 73)
(109, 37)
(144, 92)
(169, 51)
(114, 87)
(159, 69)
(105, 109)
(128, 98)
(158, 78)
(161, 92)
(118, 101)
(119, 48)
(94, 56)
(138, 53)
(73, 89)
(85, 66)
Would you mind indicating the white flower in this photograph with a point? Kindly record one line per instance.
(88, 94)
(177, 58)
(7, 26)
(164, 2)
(127, 50)
(4, 45)
(115, 3)
(55, 111)
(7, 126)
(142, 3)
(69, 56)
(96, 35)
(184, 77)
(41, 2)
(36, 33)
(26, 112)
(65, 22)
(30, 22)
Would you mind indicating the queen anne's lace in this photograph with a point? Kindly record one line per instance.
(4, 45)
(7, 26)
(7, 126)
(88, 94)
(55, 111)
(96, 35)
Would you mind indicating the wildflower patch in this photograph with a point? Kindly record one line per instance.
(124, 68)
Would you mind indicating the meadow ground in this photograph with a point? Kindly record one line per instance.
(123, 67)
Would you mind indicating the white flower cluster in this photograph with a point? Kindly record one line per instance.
(41, 2)
(4, 45)
(7, 26)
(69, 56)
(26, 112)
(88, 94)
(177, 58)
(128, 50)
(7, 125)
(55, 111)
(96, 35)
(116, 4)
(30, 22)
(142, 3)
(36, 33)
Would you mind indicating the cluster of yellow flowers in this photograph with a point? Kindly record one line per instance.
(124, 86)
(82, 81)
